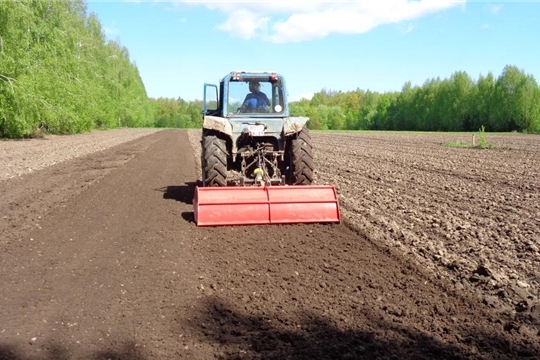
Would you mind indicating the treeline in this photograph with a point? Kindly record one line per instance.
(177, 113)
(509, 103)
(58, 73)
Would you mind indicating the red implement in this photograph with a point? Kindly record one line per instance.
(265, 205)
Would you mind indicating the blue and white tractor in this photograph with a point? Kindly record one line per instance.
(257, 160)
(248, 136)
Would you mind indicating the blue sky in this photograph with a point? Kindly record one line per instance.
(337, 45)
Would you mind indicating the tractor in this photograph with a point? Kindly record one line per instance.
(256, 160)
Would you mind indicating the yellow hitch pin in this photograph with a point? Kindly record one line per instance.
(259, 173)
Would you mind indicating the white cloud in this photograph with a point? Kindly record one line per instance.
(281, 21)
(111, 32)
(244, 24)
(495, 9)
(408, 28)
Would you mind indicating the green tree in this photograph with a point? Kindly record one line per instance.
(57, 72)
(482, 98)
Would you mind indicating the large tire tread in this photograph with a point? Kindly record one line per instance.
(302, 159)
(214, 161)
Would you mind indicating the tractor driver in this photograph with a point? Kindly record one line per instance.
(256, 99)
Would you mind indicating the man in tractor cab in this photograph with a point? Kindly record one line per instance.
(256, 99)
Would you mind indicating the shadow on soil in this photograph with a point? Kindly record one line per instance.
(183, 193)
(309, 336)
(126, 351)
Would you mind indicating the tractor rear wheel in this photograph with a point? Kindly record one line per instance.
(214, 161)
(301, 159)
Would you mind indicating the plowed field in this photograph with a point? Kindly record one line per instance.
(438, 256)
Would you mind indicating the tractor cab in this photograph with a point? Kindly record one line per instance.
(247, 94)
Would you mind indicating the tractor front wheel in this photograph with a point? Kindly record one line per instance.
(300, 154)
(214, 161)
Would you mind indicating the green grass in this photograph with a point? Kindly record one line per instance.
(458, 144)
(482, 141)
(480, 136)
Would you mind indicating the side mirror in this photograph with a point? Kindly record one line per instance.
(210, 101)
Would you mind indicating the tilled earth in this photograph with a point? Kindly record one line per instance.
(437, 256)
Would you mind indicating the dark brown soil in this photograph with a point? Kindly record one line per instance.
(469, 215)
(100, 259)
